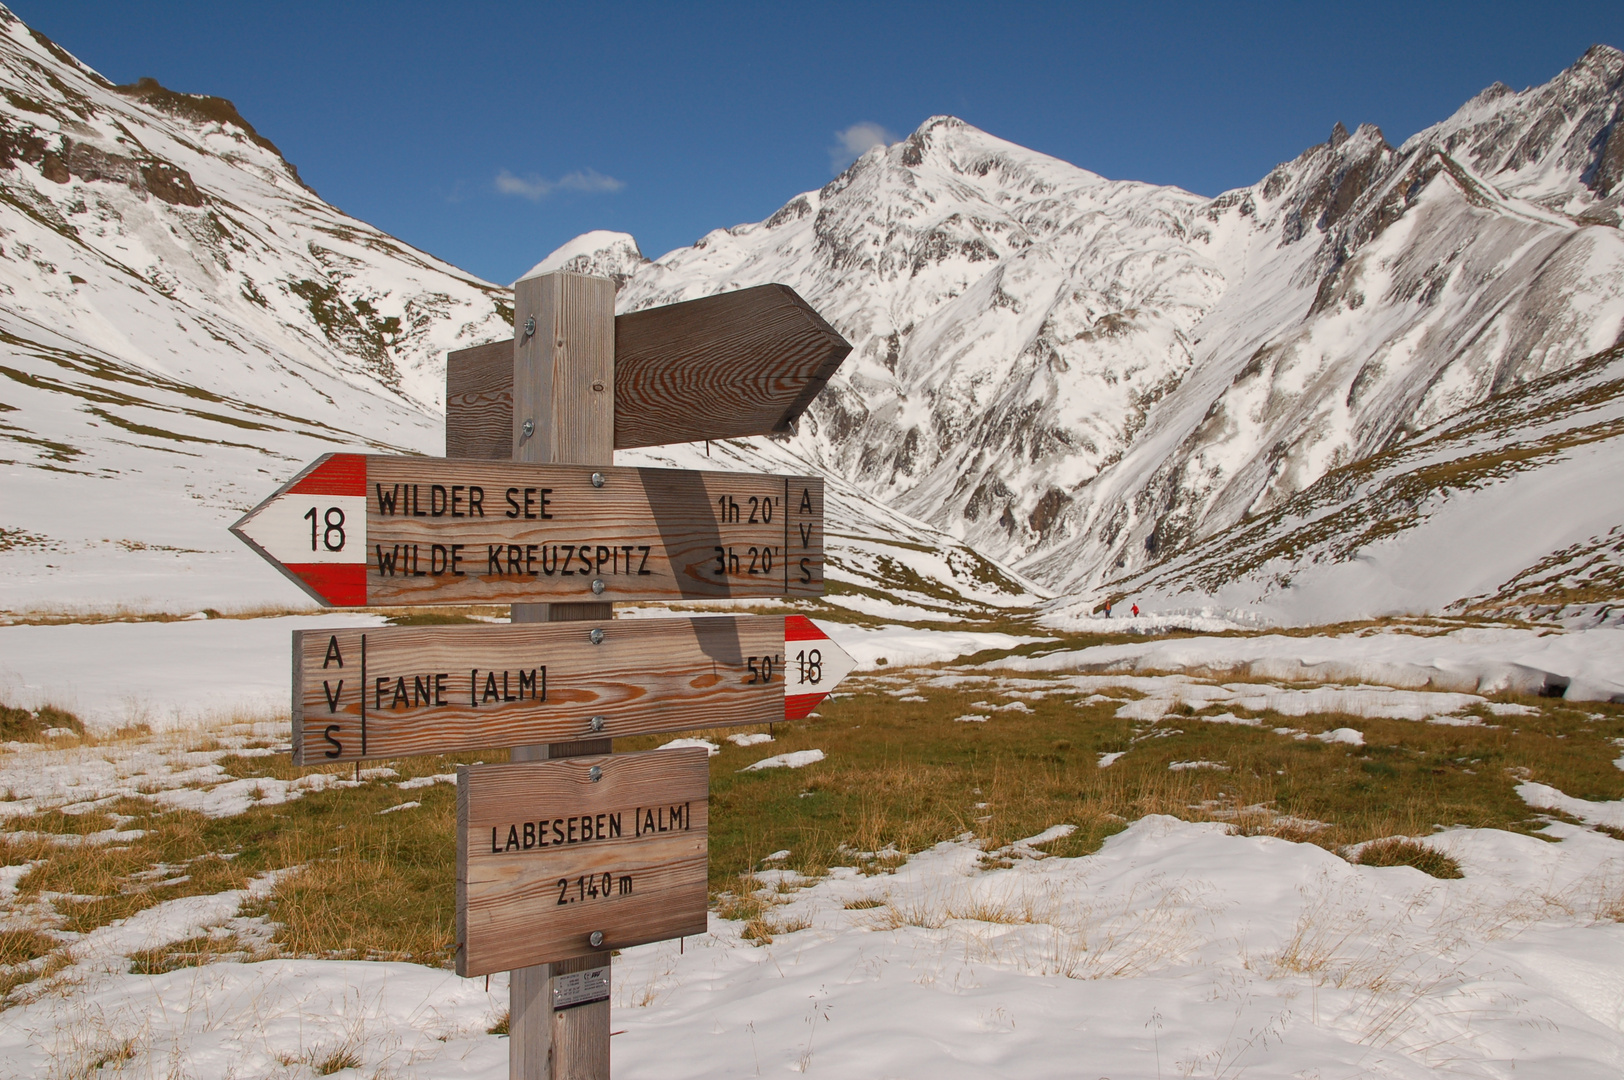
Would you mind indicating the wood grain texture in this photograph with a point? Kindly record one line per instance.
(509, 909)
(564, 378)
(563, 371)
(680, 516)
(722, 367)
(479, 395)
(530, 1023)
(446, 689)
(581, 1035)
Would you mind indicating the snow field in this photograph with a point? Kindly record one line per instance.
(1583, 665)
(1218, 954)
(1175, 943)
(1186, 942)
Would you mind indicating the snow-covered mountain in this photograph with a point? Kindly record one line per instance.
(1511, 507)
(1084, 377)
(184, 324)
(1101, 383)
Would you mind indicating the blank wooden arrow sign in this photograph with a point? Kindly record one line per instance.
(723, 367)
(355, 530)
(388, 692)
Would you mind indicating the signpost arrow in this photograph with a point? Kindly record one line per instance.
(354, 530)
(390, 692)
(722, 367)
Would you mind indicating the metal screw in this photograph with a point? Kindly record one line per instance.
(596, 724)
(597, 586)
(597, 479)
(596, 635)
(527, 430)
(596, 938)
(595, 773)
(530, 326)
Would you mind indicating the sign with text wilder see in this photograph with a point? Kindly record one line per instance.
(386, 692)
(357, 530)
(547, 856)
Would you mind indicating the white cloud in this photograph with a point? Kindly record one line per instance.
(855, 141)
(535, 188)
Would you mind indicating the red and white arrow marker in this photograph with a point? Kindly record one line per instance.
(314, 529)
(813, 666)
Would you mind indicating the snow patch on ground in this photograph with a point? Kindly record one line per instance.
(1482, 660)
(166, 675)
(1545, 797)
(1342, 735)
(754, 738)
(427, 781)
(796, 759)
(159, 767)
(710, 748)
(902, 646)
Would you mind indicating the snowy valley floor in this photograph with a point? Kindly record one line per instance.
(1013, 857)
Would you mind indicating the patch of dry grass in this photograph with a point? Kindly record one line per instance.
(898, 777)
(359, 884)
(1401, 851)
(901, 776)
(195, 952)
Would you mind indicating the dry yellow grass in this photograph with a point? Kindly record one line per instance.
(898, 777)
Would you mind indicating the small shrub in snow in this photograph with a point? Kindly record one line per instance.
(1399, 851)
(36, 725)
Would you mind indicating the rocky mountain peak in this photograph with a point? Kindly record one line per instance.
(1604, 61)
(601, 253)
(1556, 144)
(204, 110)
(1086, 376)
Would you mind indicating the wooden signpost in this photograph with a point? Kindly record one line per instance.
(389, 692)
(356, 530)
(564, 859)
(570, 851)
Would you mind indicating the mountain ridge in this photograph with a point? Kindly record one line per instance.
(1084, 377)
(184, 324)
(1094, 382)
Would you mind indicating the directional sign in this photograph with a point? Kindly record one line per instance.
(813, 666)
(356, 530)
(723, 367)
(387, 692)
(551, 853)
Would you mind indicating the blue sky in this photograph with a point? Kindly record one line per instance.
(488, 134)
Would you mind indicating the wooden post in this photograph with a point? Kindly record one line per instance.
(563, 412)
